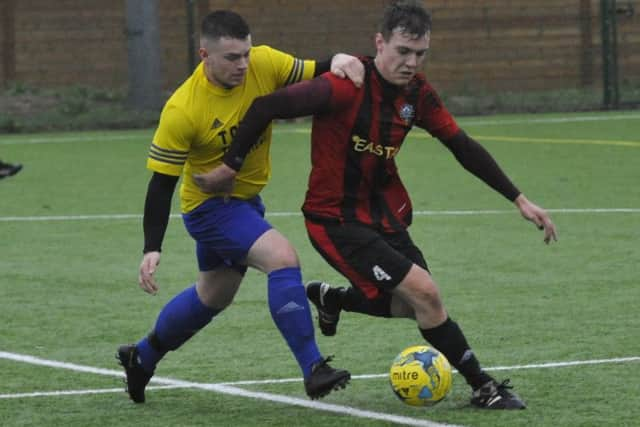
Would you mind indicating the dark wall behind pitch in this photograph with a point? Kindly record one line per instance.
(489, 45)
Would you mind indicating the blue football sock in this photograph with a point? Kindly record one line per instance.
(290, 312)
(148, 356)
(178, 321)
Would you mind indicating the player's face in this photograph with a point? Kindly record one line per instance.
(226, 60)
(400, 58)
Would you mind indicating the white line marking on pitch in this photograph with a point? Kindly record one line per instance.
(80, 392)
(273, 381)
(287, 214)
(495, 368)
(234, 391)
(228, 388)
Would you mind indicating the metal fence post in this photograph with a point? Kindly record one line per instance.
(143, 45)
(610, 84)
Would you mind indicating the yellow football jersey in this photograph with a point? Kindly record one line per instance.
(199, 120)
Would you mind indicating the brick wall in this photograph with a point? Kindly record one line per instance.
(476, 45)
(61, 42)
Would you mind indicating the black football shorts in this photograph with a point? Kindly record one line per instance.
(374, 262)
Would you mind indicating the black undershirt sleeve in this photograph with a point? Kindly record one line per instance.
(322, 66)
(477, 160)
(301, 99)
(157, 207)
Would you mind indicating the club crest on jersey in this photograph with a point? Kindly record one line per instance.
(407, 112)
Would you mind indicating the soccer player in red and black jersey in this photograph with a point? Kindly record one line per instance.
(357, 210)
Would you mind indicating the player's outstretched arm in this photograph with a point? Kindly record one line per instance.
(477, 160)
(301, 99)
(538, 216)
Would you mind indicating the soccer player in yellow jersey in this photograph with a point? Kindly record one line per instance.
(195, 129)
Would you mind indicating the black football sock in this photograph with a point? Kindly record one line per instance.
(352, 299)
(331, 300)
(449, 339)
(349, 299)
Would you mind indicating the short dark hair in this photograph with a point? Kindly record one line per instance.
(409, 16)
(224, 23)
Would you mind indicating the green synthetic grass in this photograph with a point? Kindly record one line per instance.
(68, 290)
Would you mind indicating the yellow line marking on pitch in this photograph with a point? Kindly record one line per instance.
(482, 138)
(559, 141)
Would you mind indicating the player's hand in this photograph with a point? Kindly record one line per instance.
(219, 180)
(347, 66)
(538, 216)
(150, 261)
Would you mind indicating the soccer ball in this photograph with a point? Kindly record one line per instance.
(420, 376)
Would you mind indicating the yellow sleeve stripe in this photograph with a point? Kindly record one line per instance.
(173, 157)
(296, 72)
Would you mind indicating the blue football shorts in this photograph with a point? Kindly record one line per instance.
(225, 230)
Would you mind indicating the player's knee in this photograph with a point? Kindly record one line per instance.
(427, 297)
(215, 298)
(282, 255)
(217, 289)
(288, 256)
(430, 297)
(272, 252)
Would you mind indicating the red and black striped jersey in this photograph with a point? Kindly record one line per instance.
(354, 177)
(356, 135)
